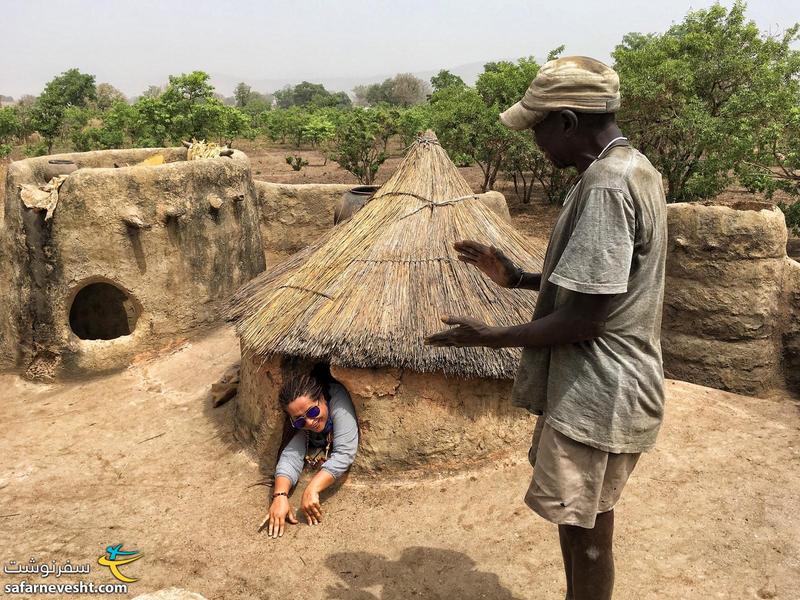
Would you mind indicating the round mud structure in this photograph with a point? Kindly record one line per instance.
(136, 248)
(725, 304)
(414, 424)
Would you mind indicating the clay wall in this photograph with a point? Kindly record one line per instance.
(177, 239)
(293, 216)
(726, 309)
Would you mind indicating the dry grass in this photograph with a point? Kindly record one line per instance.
(368, 292)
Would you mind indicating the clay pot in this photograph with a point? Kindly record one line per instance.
(57, 166)
(352, 201)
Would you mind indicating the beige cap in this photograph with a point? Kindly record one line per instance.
(576, 82)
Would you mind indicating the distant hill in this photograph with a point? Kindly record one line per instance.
(225, 84)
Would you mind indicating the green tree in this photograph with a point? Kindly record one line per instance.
(467, 119)
(108, 96)
(526, 165)
(9, 129)
(9, 124)
(189, 109)
(286, 123)
(70, 89)
(113, 130)
(318, 129)
(444, 79)
(503, 83)
(470, 130)
(774, 163)
(306, 94)
(358, 145)
(404, 89)
(412, 122)
(242, 94)
(692, 95)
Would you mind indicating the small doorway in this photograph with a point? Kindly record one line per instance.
(102, 311)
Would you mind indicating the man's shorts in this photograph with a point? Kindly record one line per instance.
(572, 482)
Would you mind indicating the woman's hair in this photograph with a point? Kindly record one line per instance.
(299, 384)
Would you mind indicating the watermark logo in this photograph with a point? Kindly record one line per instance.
(45, 570)
(114, 562)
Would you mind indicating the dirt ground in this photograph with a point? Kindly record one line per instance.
(141, 458)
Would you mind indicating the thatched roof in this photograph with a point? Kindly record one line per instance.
(369, 291)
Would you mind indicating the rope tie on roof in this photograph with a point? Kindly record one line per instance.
(431, 204)
(422, 140)
(428, 202)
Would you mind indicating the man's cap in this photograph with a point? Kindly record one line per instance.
(579, 83)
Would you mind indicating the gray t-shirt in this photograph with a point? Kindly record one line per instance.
(345, 440)
(610, 238)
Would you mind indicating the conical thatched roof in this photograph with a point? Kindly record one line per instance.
(368, 292)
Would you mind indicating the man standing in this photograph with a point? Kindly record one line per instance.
(591, 360)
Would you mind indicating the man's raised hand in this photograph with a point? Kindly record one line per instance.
(490, 261)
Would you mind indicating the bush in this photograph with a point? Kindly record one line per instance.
(297, 162)
(792, 214)
(526, 165)
(358, 144)
(36, 149)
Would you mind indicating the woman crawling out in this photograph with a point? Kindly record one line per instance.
(325, 437)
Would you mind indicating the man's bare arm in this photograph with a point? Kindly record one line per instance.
(582, 318)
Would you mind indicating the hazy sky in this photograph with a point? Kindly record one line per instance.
(137, 43)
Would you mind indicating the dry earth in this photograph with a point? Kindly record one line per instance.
(141, 458)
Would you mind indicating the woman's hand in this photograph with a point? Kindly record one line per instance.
(280, 511)
(490, 261)
(310, 505)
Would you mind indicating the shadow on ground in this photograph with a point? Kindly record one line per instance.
(418, 572)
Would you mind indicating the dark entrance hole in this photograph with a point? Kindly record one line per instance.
(102, 311)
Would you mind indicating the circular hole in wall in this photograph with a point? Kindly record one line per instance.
(102, 311)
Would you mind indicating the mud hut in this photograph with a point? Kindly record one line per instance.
(123, 253)
(362, 298)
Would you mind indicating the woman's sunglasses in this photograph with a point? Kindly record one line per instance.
(311, 413)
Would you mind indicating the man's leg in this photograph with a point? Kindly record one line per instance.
(566, 555)
(589, 558)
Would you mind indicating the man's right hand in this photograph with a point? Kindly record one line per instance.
(280, 511)
(490, 261)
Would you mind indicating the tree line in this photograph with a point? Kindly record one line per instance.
(713, 101)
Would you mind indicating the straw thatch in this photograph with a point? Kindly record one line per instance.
(368, 292)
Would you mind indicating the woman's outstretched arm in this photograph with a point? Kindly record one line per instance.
(343, 453)
(287, 472)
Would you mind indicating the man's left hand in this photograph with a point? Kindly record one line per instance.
(467, 332)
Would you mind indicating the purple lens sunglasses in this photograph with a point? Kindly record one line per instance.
(311, 413)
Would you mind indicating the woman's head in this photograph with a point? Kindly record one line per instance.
(303, 400)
